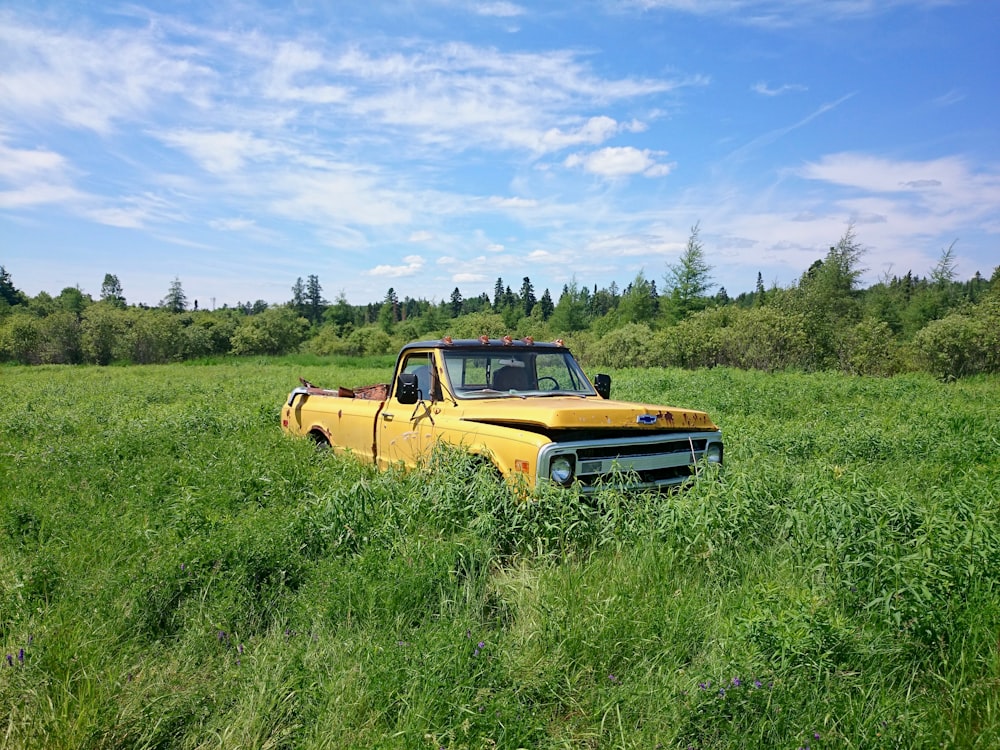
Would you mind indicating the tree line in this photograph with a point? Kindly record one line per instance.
(825, 320)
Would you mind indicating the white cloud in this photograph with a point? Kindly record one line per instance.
(420, 236)
(595, 130)
(232, 225)
(619, 162)
(498, 202)
(458, 95)
(38, 194)
(500, 9)
(761, 87)
(91, 82)
(220, 152)
(784, 12)
(412, 264)
(293, 60)
(947, 175)
(18, 164)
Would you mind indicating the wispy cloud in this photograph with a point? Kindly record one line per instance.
(778, 133)
(92, 82)
(762, 88)
(500, 9)
(784, 12)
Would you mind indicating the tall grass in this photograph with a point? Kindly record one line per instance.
(175, 573)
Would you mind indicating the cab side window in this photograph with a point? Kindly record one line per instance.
(420, 365)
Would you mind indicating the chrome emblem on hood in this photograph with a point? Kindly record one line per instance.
(646, 419)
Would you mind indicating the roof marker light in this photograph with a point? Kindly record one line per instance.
(507, 341)
(528, 340)
(484, 339)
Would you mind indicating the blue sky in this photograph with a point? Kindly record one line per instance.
(423, 145)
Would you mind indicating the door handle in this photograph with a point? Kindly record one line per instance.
(387, 417)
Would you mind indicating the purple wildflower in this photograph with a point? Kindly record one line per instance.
(756, 683)
(240, 648)
(10, 660)
(480, 645)
(612, 678)
(20, 656)
(815, 735)
(737, 682)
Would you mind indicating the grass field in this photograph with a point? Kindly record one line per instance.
(176, 573)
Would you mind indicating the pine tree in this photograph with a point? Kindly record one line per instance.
(298, 303)
(8, 292)
(688, 280)
(527, 296)
(545, 303)
(176, 300)
(455, 304)
(314, 299)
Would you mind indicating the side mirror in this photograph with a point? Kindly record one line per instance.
(603, 385)
(407, 391)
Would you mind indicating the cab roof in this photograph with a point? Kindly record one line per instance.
(486, 343)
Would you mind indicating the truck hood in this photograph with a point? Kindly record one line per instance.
(573, 412)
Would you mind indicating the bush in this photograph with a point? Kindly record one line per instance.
(277, 330)
(695, 341)
(765, 338)
(367, 341)
(871, 349)
(21, 339)
(629, 346)
(954, 346)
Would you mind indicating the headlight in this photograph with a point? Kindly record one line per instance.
(561, 470)
(713, 453)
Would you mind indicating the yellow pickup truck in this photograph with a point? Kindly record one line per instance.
(526, 407)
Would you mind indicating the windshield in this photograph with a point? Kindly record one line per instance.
(475, 373)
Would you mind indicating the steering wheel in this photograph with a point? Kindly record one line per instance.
(555, 383)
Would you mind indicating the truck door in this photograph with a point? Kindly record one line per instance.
(406, 431)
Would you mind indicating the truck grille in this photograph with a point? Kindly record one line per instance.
(640, 462)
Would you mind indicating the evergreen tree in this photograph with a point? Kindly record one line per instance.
(455, 303)
(570, 313)
(498, 294)
(298, 303)
(176, 300)
(636, 305)
(547, 308)
(8, 292)
(527, 296)
(944, 271)
(314, 299)
(688, 280)
(827, 298)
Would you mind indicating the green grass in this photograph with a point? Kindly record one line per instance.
(176, 573)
